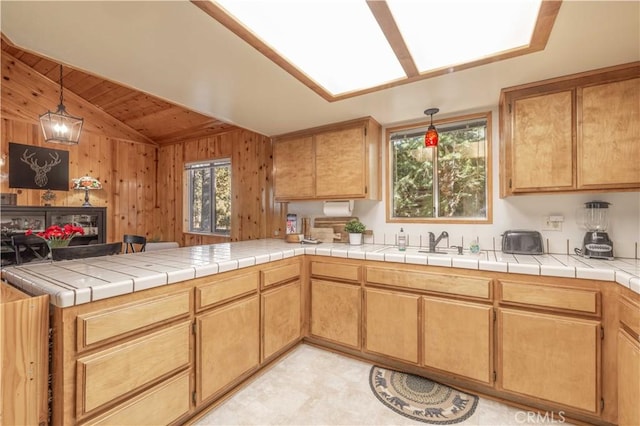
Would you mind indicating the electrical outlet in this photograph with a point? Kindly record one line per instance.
(551, 225)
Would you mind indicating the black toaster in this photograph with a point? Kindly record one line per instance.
(522, 242)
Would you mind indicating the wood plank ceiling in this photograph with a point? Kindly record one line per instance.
(161, 121)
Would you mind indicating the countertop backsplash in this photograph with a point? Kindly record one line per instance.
(520, 212)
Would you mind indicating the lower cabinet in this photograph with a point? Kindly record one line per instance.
(391, 324)
(161, 404)
(551, 357)
(281, 318)
(628, 360)
(628, 380)
(106, 376)
(336, 312)
(228, 345)
(458, 337)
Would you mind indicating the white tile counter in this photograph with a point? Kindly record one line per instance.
(74, 282)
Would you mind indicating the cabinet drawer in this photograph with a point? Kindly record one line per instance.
(161, 404)
(280, 274)
(103, 325)
(568, 299)
(629, 314)
(217, 292)
(107, 375)
(336, 270)
(439, 283)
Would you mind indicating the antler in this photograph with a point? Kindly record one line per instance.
(29, 159)
(56, 160)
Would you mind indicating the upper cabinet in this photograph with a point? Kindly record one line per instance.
(339, 161)
(574, 133)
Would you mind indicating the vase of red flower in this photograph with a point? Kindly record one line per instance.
(58, 236)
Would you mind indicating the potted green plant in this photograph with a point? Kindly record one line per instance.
(355, 228)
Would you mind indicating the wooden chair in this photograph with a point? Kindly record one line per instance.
(28, 247)
(130, 240)
(81, 252)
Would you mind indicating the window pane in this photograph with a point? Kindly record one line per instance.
(412, 178)
(461, 173)
(459, 188)
(223, 199)
(200, 219)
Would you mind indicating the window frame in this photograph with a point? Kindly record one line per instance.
(488, 175)
(211, 164)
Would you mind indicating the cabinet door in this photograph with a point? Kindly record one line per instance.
(281, 318)
(335, 312)
(293, 163)
(392, 324)
(542, 143)
(341, 163)
(628, 380)
(608, 146)
(551, 357)
(458, 337)
(228, 345)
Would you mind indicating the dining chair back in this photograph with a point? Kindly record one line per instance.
(81, 252)
(130, 242)
(28, 247)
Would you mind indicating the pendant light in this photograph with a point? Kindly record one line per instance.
(60, 127)
(431, 137)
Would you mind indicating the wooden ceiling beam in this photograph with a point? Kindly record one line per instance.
(382, 13)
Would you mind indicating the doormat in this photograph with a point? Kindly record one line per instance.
(421, 399)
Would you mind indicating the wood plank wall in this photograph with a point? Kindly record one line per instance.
(142, 182)
(254, 213)
(125, 169)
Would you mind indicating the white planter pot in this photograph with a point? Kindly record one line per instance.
(355, 239)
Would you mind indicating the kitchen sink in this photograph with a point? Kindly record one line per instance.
(451, 252)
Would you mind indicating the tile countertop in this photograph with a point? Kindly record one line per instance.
(75, 282)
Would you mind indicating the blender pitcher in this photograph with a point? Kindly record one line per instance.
(596, 243)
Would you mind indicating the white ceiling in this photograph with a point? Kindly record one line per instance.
(173, 50)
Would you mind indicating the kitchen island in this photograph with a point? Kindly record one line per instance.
(210, 317)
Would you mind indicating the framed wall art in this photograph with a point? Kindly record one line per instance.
(34, 167)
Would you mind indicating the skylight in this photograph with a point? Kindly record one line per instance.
(342, 48)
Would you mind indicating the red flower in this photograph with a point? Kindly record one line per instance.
(57, 233)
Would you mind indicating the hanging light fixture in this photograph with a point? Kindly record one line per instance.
(60, 127)
(431, 137)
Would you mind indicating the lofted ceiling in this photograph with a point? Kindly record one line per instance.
(169, 70)
(158, 120)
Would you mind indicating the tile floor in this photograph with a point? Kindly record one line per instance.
(311, 386)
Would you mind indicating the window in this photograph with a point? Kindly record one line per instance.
(209, 192)
(445, 184)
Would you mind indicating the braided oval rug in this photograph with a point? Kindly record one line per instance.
(421, 399)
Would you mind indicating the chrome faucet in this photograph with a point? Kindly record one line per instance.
(433, 241)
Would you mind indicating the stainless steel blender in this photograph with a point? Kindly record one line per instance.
(596, 243)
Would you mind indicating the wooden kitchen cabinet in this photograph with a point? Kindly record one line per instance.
(552, 357)
(573, 133)
(294, 168)
(24, 346)
(338, 161)
(391, 324)
(336, 302)
(458, 337)
(628, 359)
(553, 354)
(336, 311)
(281, 318)
(228, 342)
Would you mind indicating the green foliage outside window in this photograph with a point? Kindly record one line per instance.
(444, 182)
